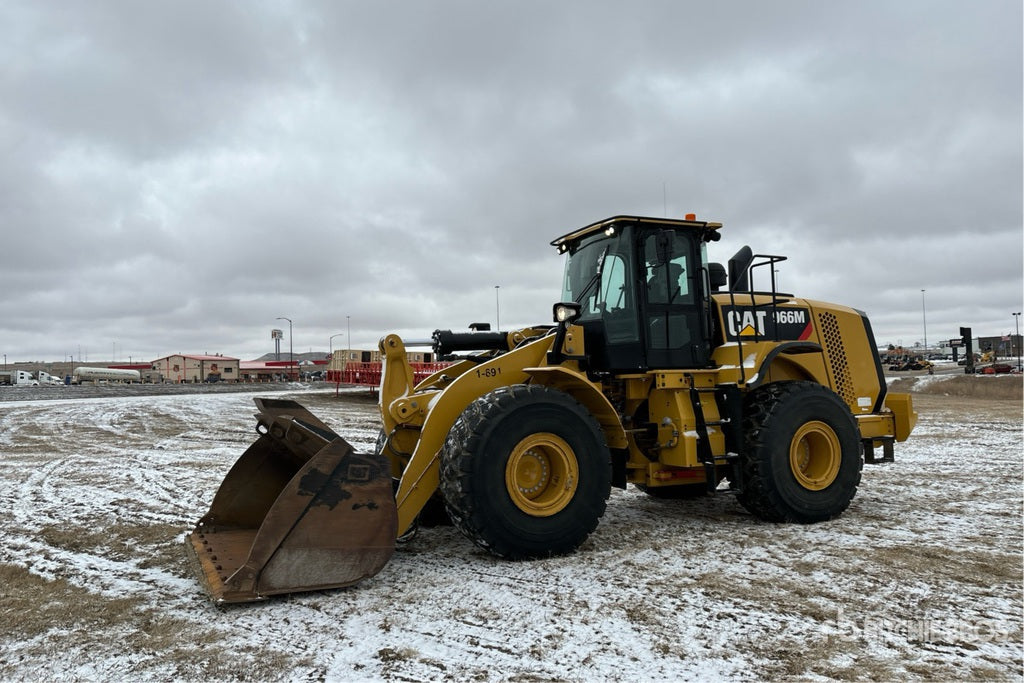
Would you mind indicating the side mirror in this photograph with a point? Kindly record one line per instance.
(717, 276)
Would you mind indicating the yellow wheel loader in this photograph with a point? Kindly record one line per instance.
(660, 369)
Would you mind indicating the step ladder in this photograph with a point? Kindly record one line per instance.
(729, 401)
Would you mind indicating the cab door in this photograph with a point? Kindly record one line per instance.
(672, 314)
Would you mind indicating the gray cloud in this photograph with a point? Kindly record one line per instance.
(176, 177)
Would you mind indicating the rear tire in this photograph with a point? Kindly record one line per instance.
(525, 472)
(803, 456)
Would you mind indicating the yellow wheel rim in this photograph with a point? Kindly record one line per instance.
(815, 455)
(542, 474)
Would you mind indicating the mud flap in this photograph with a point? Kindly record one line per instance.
(299, 511)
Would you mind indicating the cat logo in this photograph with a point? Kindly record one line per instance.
(750, 323)
(747, 323)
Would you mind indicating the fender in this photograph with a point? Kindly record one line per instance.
(751, 370)
(420, 478)
(577, 385)
(788, 348)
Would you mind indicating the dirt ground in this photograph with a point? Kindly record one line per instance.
(920, 579)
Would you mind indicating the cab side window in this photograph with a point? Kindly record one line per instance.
(612, 295)
(614, 303)
(667, 281)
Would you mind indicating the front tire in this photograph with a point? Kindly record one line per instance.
(803, 456)
(525, 472)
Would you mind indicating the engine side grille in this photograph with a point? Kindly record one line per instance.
(836, 353)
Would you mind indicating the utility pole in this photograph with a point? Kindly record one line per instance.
(924, 325)
(1016, 337)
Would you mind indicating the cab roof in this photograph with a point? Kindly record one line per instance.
(602, 225)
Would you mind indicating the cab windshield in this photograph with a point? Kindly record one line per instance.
(599, 276)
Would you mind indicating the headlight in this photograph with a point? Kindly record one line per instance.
(566, 312)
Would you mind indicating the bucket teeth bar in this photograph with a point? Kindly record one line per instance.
(300, 510)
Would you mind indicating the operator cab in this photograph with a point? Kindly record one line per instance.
(642, 285)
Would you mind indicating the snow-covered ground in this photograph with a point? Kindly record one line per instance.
(920, 578)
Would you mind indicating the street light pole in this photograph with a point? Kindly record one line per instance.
(924, 325)
(497, 309)
(1016, 337)
(330, 342)
(330, 364)
(348, 327)
(291, 354)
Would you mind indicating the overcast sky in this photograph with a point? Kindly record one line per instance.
(177, 175)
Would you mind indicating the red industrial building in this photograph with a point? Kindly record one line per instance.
(183, 368)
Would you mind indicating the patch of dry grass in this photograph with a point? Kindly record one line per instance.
(153, 545)
(1002, 387)
(52, 617)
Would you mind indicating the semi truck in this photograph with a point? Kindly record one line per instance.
(18, 378)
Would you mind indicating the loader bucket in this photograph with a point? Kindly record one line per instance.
(299, 511)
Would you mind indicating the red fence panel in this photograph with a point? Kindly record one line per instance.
(368, 374)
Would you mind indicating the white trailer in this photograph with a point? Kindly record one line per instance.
(96, 375)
